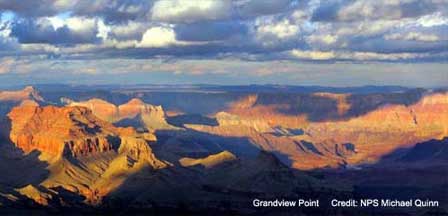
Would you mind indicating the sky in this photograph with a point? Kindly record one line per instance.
(227, 42)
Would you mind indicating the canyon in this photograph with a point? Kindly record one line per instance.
(99, 150)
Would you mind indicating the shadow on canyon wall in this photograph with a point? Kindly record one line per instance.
(180, 120)
(319, 108)
(20, 170)
(315, 107)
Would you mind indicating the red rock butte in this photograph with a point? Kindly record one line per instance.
(61, 130)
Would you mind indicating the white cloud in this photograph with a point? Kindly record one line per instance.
(6, 42)
(158, 37)
(103, 30)
(81, 24)
(270, 32)
(120, 44)
(355, 56)
(56, 22)
(365, 28)
(282, 29)
(129, 30)
(191, 10)
(313, 55)
(36, 48)
(6, 64)
(358, 10)
(435, 19)
(78, 24)
(412, 36)
(326, 39)
(367, 56)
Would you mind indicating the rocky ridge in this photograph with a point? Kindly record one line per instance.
(133, 113)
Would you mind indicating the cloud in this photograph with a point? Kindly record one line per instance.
(210, 31)
(349, 11)
(6, 64)
(219, 33)
(412, 36)
(327, 39)
(74, 30)
(190, 11)
(263, 7)
(6, 43)
(128, 31)
(313, 55)
(326, 12)
(271, 32)
(435, 19)
(282, 29)
(113, 11)
(158, 37)
(355, 56)
(37, 7)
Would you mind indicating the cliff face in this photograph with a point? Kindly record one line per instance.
(342, 104)
(250, 110)
(331, 143)
(133, 113)
(388, 128)
(28, 93)
(298, 110)
(9, 99)
(86, 155)
(137, 149)
(226, 119)
(59, 131)
(100, 108)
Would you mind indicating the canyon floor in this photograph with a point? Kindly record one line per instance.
(213, 149)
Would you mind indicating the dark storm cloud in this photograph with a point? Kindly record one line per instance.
(29, 31)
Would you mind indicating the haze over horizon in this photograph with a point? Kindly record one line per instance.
(288, 42)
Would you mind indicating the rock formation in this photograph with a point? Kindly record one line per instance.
(209, 161)
(341, 99)
(386, 129)
(86, 155)
(9, 99)
(28, 93)
(227, 119)
(247, 109)
(59, 131)
(133, 113)
(33, 193)
(332, 143)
